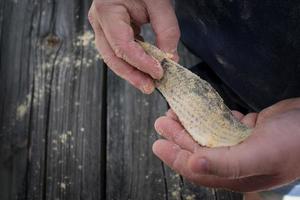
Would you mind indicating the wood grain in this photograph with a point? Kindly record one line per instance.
(51, 102)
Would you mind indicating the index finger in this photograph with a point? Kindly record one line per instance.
(115, 23)
(165, 25)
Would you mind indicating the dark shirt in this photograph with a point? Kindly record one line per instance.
(252, 45)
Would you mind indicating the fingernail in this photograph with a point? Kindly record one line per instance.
(201, 166)
(176, 58)
(174, 55)
(148, 88)
(159, 129)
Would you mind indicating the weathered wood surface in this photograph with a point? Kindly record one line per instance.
(51, 89)
(70, 129)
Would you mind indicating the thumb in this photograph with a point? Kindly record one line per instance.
(165, 25)
(232, 162)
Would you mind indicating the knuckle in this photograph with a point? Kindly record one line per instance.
(172, 33)
(232, 167)
(127, 72)
(176, 165)
(109, 59)
(134, 82)
(123, 72)
(120, 50)
(177, 136)
(235, 171)
(264, 113)
(179, 164)
(120, 47)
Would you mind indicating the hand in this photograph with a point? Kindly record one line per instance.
(268, 158)
(116, 23)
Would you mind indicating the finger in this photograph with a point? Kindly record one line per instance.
(121, 68)
(171, 114)
(250, 120)
(165, 25)
(173, 131)
(282, 106)
(238, 115)
(115, 22)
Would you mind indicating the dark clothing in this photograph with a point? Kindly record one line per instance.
(253, 46)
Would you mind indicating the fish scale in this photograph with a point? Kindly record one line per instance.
(199, 107)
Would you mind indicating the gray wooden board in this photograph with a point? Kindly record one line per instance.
(15, 85)
(69, 129)
(51, 90)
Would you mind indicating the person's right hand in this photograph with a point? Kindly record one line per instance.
(116, 23)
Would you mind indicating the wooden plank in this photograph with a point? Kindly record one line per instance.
(74, 117)
(132, 171)
(51, 89)
(15, 87)
(1, 17)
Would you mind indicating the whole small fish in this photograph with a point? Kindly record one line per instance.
(199, 107)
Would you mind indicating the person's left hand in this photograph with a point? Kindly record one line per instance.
(268, 158)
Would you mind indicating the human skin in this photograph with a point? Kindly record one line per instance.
(269, 158)
(117, 23)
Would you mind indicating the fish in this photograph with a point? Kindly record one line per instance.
(198, 106)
